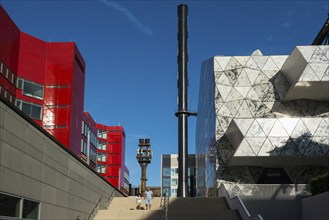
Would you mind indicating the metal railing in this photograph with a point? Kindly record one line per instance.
(165, 204)
(96, 208)
(237, 204)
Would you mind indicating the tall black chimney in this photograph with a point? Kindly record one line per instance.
(182, 113)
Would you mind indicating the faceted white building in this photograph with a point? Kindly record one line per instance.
(263, 119)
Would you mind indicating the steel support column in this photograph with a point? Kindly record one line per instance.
(182, 113)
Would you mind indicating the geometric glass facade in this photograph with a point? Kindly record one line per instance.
(263, 119)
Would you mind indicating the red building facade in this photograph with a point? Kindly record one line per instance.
(89, 141)
(45, 80)
(9, 50)
(111, 155)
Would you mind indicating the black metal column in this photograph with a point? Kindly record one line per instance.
(182, 113)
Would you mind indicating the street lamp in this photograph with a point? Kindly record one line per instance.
(144, 156)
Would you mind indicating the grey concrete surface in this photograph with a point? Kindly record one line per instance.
(35, 166)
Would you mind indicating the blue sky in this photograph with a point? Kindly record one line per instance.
(130, 48)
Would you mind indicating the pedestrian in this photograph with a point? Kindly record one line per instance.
(139, 201)
(148, 194)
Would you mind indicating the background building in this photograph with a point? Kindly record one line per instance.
(89, 141)
(111, 156)
(169, 174)
(263, 119)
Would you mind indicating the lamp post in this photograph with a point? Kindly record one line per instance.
(144, 156)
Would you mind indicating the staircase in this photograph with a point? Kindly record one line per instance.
(178, 209)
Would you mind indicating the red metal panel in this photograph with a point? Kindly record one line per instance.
(9, 41)
(59, 67)
(65, 82)
(32, 59)
(115, 161)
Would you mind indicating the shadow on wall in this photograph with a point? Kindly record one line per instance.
(300, 146)
(297, 108)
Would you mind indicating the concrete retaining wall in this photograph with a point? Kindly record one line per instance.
(271, 201)
(316, 207)
(34, 165)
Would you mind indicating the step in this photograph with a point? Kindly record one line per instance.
(129, 214)
(130, 203)
(202, 215)
(179, 208)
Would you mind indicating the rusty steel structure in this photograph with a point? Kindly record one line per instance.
(144, 156)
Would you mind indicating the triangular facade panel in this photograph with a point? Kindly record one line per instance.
(243, 124)
(319, 69)
(222, 61)
(266, 149)
(233, 95)
(233, 106)
(243, 91)
(217, 67)
(244, 150)
(233, 75)
(270, 73)
(252, 95)
(300, 130)
(325, 50)
(260, 61)
(252, 74)
(262, 79)
(289, 124)
(244, 111)
(278, 130)
(255, 130)
(319, 56)
(233, 64)
(223, 111)
(325, 76)
(323, 129)
(224, 91)
(279, 60)
(243, 79)
(312, 124)
(242, 59)
(256, 143)
(223, 80)
(251, 64)
(306, 52)
(270, 65)
(269, 105)
(308, 74)
(266, 124)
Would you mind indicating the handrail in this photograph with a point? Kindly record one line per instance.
(96, 207)
(165, 200)
(109, 200)
(236, 203)
(92, 214)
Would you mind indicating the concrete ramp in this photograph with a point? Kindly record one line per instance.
(178, 209)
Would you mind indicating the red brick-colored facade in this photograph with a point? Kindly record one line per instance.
(45, 80)
(111, 155)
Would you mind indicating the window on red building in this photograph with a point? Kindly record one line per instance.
(30, 88)
(32, 110)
